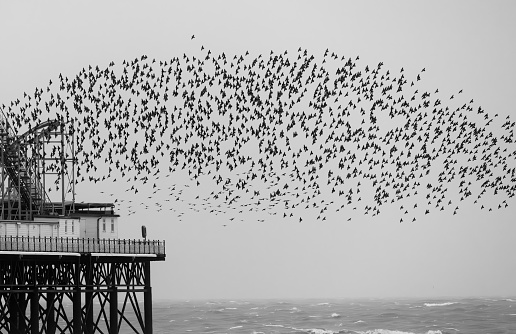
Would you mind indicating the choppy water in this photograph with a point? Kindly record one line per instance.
(337, 316)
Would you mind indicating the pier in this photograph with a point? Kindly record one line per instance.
(55, 285)
(63, 268)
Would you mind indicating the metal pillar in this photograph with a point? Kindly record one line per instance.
(51, 316)
(77, 311)
(17, 308)
(34, 304)
(113, 311)
(147, 301)
(13, 313)
(2, 135)
(113, 302)
(89, 298)
(62, 170)
(34, 311)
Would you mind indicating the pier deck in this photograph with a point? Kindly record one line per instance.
(69, 246)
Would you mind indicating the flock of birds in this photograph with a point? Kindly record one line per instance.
(283, 133)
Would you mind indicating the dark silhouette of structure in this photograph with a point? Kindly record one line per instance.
(61, 269)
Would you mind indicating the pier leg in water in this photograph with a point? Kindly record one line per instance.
(113, 302)
(147, 299)
(113, 311)
(51, 316)
(89, 298)
(34, 311)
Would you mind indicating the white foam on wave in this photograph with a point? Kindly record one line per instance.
(510, 300)
(335, 315)
(236, 327)
(388, 331)
(440, 304)
(315, 330)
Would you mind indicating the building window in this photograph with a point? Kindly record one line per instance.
(66, 226)
(112, 225)
(103, 224)
(73, 227)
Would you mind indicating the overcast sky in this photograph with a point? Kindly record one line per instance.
(465, 45)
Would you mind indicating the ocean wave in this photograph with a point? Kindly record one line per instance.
(374, 331)
(440, 304)
(389, 315)
(335, 315)
(236, 327)
(388, 331)
(315, 331)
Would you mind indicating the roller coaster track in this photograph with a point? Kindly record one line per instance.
(23, 174)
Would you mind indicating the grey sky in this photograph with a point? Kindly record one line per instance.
(465, 45)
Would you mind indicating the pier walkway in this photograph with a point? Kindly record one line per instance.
(82, 246)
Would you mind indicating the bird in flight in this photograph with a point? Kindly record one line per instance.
(279, 133)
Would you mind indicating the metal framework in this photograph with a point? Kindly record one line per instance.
(75, 293)
(60, 285)
(28, 162)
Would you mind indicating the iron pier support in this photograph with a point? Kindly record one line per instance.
(78, 294)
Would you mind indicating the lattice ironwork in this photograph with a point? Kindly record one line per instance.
(75, 294)
(27, 161)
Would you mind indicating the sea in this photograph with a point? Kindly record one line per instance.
(371, 316)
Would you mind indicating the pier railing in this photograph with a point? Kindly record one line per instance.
(81, 245)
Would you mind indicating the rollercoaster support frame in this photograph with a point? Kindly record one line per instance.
(36, 292)
(29, 151)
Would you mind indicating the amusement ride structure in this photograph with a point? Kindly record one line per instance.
(62, 267)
